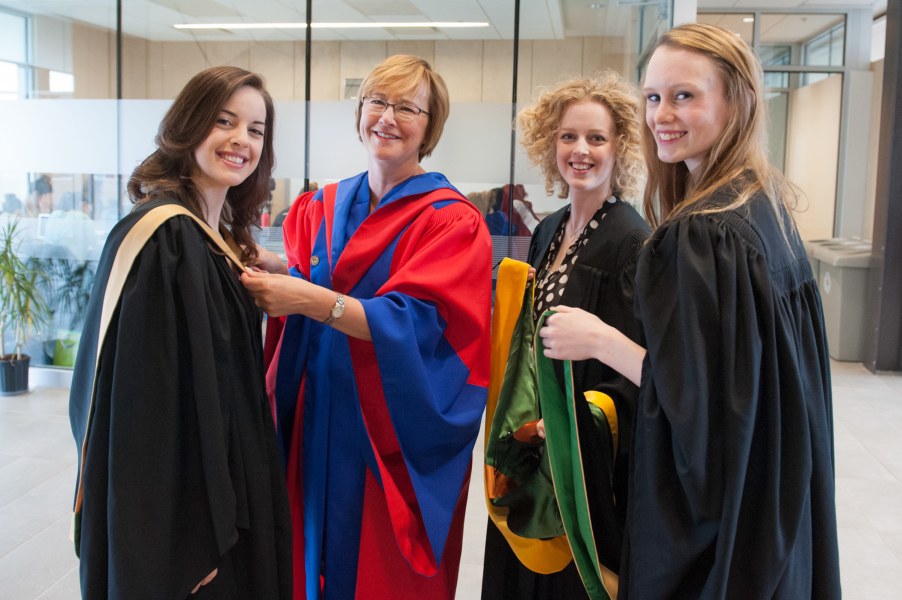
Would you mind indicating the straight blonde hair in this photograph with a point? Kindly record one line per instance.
(739, 157)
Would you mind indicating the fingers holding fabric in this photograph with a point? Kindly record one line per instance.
(572, 334)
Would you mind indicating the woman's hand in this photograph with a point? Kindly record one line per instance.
(269, 262)
(281, 295)
(574, 334)
(205, 581)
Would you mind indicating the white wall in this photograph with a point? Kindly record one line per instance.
(812, 147)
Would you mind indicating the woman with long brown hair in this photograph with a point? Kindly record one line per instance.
(180, 487)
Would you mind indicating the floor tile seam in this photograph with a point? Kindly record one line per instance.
(869, 444)
(50, 524)
(53, 585)
(31, 489)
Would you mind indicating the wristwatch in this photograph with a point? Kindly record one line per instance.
(337, 310)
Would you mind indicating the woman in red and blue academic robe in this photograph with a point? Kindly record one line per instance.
(379, 377)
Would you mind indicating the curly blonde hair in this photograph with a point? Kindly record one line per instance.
(540, 123)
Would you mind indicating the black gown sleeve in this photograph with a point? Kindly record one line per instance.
(606, 285)
(720, 486)
(157, 474)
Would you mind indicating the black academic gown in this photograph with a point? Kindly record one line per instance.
(732, 487)
(601, 282)
(180, 473)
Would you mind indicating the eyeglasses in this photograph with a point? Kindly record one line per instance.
(403, 111)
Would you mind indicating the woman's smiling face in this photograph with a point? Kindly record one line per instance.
(231, 151)
(587, 148)
(686, 107)
(390, 141)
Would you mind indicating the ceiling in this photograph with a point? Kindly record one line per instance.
(539, 19)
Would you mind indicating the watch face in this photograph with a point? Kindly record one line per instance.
(339, 308)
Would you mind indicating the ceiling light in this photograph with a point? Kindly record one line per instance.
(748, 19)
(367, 25)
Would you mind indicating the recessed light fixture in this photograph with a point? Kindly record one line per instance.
(748, 19)
(596, 5)
(294, 25)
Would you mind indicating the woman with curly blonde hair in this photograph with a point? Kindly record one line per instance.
(584, 135)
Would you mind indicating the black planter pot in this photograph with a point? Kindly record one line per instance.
(13, 375)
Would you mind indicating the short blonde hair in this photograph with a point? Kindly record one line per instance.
(401, 74)
(540, 123)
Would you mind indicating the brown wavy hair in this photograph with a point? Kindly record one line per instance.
(539, 125)
(166, 174)
(738, 158)
(401, 74)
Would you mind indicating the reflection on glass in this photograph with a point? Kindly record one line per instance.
(775, 55)
(825, 49)
(777, 112)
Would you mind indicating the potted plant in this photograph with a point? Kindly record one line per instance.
(67, 286)
(22, 310)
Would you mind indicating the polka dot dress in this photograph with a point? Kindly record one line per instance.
(550, 285)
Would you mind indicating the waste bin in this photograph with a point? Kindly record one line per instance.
(842, 266)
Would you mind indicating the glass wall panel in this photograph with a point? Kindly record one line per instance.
(85, 98)
(58, 93)
(772, 56)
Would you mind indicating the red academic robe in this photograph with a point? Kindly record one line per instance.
(378, 436)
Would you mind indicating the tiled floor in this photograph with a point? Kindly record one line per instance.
(37, 465)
